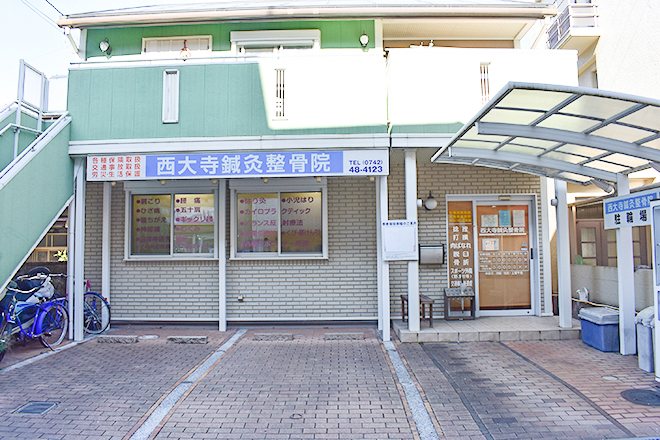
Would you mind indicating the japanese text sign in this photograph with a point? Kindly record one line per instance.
(629, 210)
(237, 165)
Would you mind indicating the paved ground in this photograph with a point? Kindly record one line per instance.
(312, 388)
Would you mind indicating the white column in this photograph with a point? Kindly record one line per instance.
(411, 215)
(563, 257)
(222, 255)
(71, 253)
(105, 242)
(79, 249)
(383, 267)
(626, 275)
(547, 229)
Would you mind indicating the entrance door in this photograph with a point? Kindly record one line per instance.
(504, 254)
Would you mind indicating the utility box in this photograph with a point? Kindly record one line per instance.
(600, 328)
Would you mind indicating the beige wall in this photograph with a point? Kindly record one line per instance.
(626, 52)
(441, 180)
(342, 287)
(602, 284)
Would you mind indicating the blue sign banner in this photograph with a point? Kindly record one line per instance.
(239, 164)
(629, 210)
(244, 164)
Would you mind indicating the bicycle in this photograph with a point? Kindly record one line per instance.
(96, 309)
(96, 312)
(39, 313)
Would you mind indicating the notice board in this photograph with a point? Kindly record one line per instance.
(399, 240)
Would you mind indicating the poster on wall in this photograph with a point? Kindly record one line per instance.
(399, 240)
(460, 257)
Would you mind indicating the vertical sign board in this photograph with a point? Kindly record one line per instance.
(399, 240)
(460, 258)
(629, 210)
(654, 209)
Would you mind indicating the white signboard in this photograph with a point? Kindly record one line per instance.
(400, 240)
(629, 210)
(240, 164)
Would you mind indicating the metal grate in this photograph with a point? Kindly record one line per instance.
(36, 408)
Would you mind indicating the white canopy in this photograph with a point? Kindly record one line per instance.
(576, 134)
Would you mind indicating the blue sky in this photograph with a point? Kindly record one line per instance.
(28, 31)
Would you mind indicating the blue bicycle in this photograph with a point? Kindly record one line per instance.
(33, 310)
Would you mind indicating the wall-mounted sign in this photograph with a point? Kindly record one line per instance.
(237, 165)
(629, 210)
(460, 257)
(399, 240)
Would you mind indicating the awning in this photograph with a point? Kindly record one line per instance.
(577, 134)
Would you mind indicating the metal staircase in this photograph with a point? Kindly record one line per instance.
(36, 172)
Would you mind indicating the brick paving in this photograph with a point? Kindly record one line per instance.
(312, 388)
(531, 390)
(102, 390)
(585, 369)
(305, 388)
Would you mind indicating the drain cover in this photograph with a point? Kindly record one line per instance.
(148, 337)
(642, 397)
(36, 408)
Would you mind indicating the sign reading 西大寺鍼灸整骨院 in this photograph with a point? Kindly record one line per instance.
(629, 210)
(237, 165)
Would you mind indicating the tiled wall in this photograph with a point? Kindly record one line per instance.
(341, 287)
(442, 179)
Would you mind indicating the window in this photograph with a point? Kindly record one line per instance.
(485, 82)
(258, 42)
(279, 93)
(596, 246)
(177, 46)
(281, 219)
(171, 96)
(53, 247)
(162, 224)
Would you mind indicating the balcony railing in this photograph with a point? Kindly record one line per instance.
(573, 14)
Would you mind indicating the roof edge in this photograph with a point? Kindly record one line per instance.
(140, 16)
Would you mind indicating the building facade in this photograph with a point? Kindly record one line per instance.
(239, 165)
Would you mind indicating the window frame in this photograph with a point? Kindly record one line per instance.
(171, 80)
(171, 188)
(277, 185)
(304, 39)
(147, 40)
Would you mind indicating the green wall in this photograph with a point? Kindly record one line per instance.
(216, 100)
(32, 199)
(128, 40)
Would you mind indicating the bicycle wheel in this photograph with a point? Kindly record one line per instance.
(54, 326)
(5, 338)
(97, 313)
